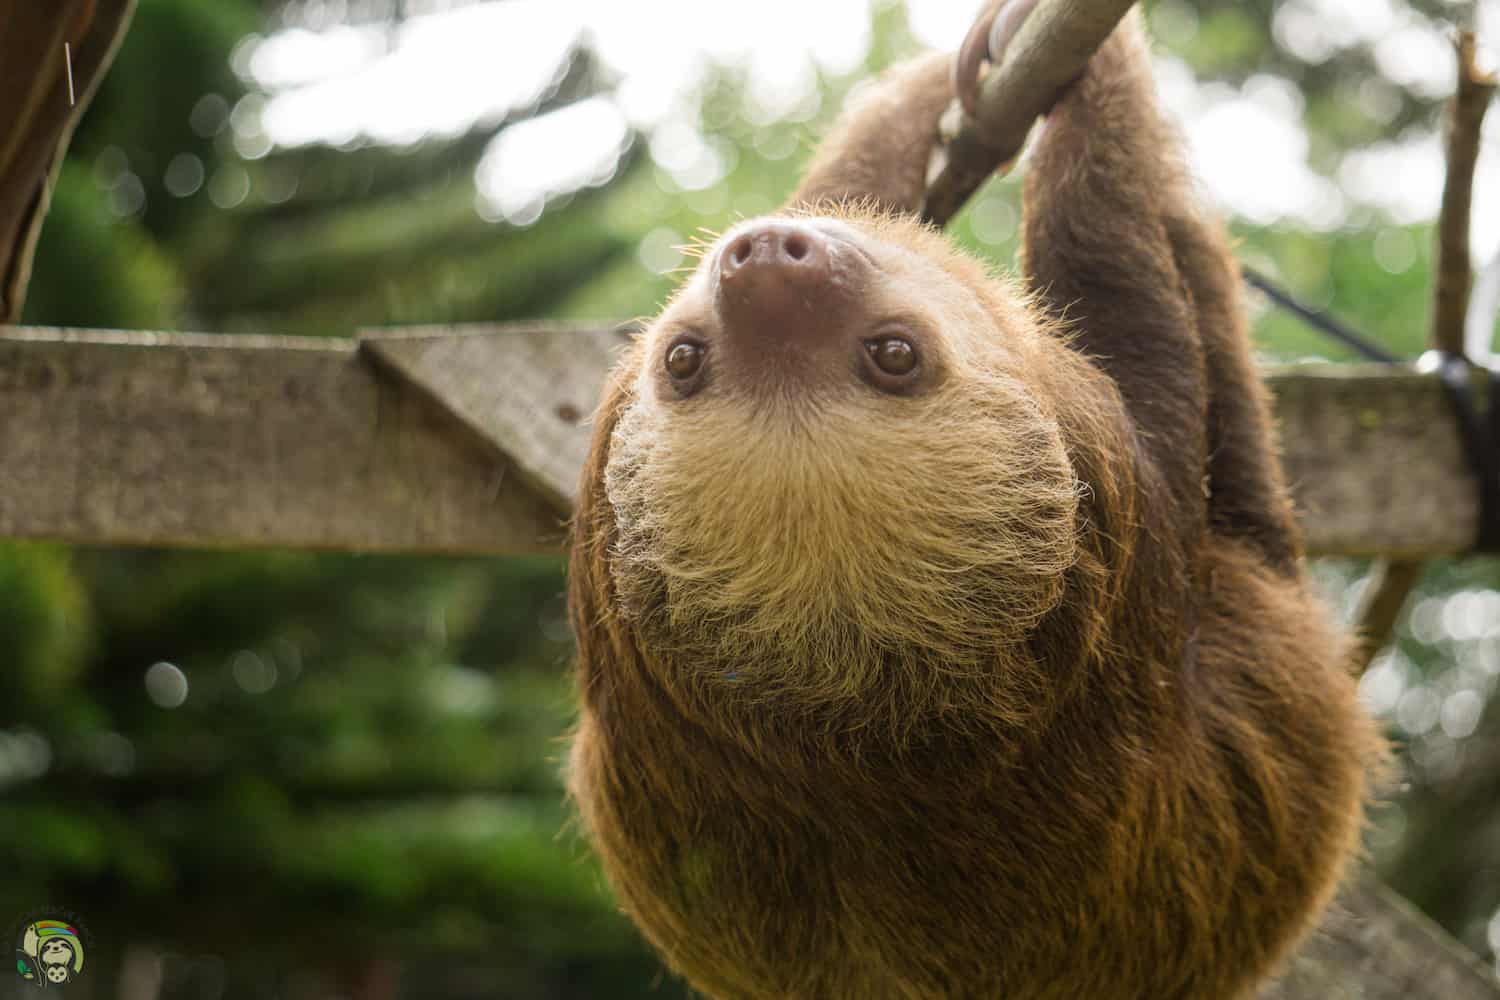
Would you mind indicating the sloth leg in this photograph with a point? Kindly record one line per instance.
(1247, 491)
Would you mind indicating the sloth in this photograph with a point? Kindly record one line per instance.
(945, 634)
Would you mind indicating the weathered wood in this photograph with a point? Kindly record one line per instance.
(535, 416)
(37, 116)
(1373, 945)
(1374, 461)
(145, 439)
(472, 440)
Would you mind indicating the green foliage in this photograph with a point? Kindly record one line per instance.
(174, 55)
(95, 270)
(44, 622)
(1229, 37)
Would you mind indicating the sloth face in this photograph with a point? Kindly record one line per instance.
(832, 461)
(799, 312)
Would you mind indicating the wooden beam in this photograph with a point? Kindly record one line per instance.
(216, 441)
(1374, 461)
(444, 440)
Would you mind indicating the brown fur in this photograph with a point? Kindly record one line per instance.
(1012, 688)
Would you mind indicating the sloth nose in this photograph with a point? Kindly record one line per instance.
(775, 278)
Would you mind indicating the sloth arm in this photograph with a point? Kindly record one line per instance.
(1116, 243)
(1101, 185)
(878, 148)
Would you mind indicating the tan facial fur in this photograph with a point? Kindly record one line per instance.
(807, 546)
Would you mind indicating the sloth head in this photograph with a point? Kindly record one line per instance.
(835, 480)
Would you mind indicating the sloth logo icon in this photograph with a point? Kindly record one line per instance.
(50, 949)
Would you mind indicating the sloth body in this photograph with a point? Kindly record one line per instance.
(946, 636)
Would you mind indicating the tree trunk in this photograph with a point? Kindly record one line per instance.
(52, 56)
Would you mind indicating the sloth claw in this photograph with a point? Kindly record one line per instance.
(972, 55)
(985, 45)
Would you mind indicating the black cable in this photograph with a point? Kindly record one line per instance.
(1319, 320)
(1479, 431)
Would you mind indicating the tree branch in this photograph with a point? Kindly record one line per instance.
(1050, 49)
(1464, 121)
(35, 105)
(1392, 581)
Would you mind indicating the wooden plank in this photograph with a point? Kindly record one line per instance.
(1373, 945)
(155, 439)
(471, 440)
(1374, 460)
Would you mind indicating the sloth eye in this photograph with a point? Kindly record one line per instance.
(684, 360)
(893, 355)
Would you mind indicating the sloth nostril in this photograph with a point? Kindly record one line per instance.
(739, 250)
(796, 246)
